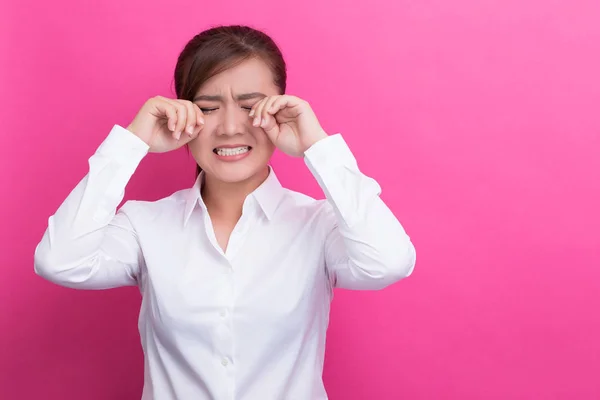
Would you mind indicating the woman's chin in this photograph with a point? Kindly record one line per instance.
(237, 172)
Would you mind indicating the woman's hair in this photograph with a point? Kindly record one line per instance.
(217, 49)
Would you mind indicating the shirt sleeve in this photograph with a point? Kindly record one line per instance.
(366, 247)
(87, 243)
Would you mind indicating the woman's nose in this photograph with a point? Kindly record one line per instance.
(234, 121)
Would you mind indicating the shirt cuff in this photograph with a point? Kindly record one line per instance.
(123, 146)
(331, 151)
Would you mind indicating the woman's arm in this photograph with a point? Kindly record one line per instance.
(88, 244)
(366, 246)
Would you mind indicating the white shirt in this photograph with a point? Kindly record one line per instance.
(248, 323)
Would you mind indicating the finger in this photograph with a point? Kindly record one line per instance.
(271, 127)
(181, 120)
(192, 119)
(278, 105)
(171, 113)
(180, 114)
(199, 115)
(253, 109)
(258, 110)
(195, 119)
(266, 117)
(283, 102)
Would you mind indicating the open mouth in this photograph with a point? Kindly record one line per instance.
(231, 151)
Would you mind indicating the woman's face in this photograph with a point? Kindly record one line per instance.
(229, 149)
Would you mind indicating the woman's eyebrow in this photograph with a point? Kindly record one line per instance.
(245, 96)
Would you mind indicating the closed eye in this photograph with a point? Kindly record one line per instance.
(207, 110)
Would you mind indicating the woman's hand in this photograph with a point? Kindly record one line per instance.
(167, 124)
(289, 122)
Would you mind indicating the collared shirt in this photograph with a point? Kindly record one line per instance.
(248, 323)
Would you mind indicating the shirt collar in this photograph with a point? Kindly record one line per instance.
(267, 195)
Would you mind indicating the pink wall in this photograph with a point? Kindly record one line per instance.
(486, 115)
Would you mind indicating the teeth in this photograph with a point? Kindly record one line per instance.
(232, 152)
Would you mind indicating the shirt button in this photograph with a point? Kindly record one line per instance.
(225, 362)
(223, 313)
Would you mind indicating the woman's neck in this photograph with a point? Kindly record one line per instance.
(224, 199)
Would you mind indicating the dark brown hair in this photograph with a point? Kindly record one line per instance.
(217, 49)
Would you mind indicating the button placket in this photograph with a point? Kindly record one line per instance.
(224, 327)
(236, 239)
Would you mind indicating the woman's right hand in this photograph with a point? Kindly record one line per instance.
(167, 124)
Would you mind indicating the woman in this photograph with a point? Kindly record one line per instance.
(237, 272)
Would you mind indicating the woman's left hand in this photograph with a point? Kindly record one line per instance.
(289, 122)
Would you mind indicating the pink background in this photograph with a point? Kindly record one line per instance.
(480, 119)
